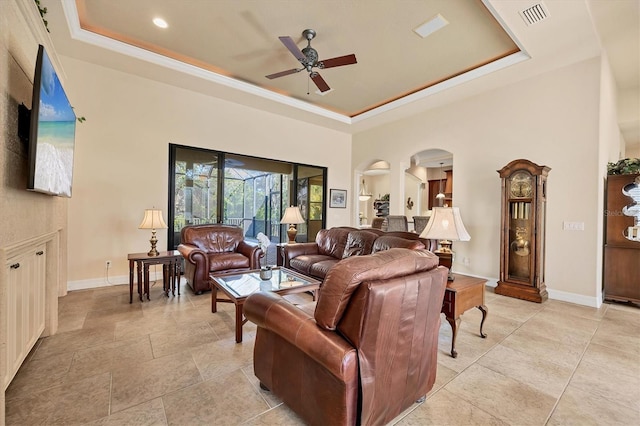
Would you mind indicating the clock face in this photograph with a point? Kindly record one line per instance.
(521, 186)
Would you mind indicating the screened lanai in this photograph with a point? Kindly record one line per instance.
(214, 187)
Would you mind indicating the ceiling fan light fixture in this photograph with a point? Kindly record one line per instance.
(308, 58)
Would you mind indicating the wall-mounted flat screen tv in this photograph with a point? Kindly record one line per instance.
(51, 133)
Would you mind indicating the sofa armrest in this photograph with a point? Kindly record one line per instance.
(272, 312)
(294, 250)
(192, 253)
(253, 252)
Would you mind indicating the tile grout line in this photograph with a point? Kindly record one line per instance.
(476, 360)
(586, 347)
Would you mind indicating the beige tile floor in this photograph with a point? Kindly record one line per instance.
(171, 361)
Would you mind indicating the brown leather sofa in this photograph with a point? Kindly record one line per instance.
(332, 245)
(215, 248)
(367, 351)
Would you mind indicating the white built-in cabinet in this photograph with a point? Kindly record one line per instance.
(25, 305)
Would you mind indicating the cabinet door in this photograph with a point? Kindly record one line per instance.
(16, 332)
(35, 304)
(25, 300)
(622, 274)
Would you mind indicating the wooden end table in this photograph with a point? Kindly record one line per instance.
(461, 295)
(170, 261)
(237, 286)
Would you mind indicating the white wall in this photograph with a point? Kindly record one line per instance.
(551, 120)
(122, 158)
(611, 146)
(25, 214)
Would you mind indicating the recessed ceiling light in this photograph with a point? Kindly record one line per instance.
(159, 22)
(431, 26)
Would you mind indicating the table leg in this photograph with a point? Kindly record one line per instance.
(165, 279)
(455, 324)
(146, 280)
(214, 297)
(131, 281)
(239, 322)
(176, 277)
(485, 312)
(140, 288)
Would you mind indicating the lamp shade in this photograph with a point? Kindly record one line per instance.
(445, 224)
(152, 220)
(292, 215)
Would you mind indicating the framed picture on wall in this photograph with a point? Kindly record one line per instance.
(338, 198)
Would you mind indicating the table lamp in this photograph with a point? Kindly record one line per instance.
(153, 220)
(445, 225)
(292, 216)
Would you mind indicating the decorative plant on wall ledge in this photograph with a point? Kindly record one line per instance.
(626, 166)
(43, 11)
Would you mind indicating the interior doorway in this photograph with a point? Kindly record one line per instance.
(434, 170)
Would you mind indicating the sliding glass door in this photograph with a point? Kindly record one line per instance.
(193, 196)
(217, 187)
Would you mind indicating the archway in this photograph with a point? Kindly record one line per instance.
(373, 190)
(430, 174)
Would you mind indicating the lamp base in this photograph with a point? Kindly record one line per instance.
(446, 260)
(445, 246)
(292, 232)
(153, 241)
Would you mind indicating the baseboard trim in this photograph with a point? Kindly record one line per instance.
(106, 282)
(578, 299)
(563, 296)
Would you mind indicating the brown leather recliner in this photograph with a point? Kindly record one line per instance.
(368, 351)
(215, 248)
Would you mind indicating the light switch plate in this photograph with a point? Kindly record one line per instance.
(573, 226)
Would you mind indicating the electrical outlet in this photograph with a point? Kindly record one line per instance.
(108, 264)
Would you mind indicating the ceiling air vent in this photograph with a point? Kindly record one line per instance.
(534, 14)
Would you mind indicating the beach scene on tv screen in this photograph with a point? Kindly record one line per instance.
(56, 135)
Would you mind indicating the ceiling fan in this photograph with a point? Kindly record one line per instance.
(308, 57)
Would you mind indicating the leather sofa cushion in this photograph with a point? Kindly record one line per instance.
(214, 238)
(304, 262)
(359, 243)
(321, 269)
(224, 261)
(331, 242)
(346, 276)
(388, 242)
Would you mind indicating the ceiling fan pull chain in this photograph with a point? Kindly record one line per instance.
(308, 84)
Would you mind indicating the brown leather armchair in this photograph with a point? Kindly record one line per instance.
(369, 349)
(215, 248)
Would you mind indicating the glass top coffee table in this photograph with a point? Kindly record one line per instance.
(237, 286)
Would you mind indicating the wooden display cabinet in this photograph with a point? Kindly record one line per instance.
(621, 280)
(522, 231)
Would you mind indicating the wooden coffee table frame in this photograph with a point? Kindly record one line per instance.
(238, 301)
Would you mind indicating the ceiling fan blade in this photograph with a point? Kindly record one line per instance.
(293, 47)
(319, 81)
(339, 61)
(283, 73)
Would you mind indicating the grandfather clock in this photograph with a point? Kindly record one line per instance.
(522, 231)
